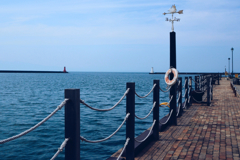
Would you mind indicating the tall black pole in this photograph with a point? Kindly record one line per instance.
(173, 64)
(228, 66)
(156, 110)
(130, 124)
(232, 61)
(72, 124)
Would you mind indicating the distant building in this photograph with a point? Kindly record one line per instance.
(152, 70)
(64, 70)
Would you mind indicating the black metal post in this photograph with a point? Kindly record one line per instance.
(72, 124)
(173, 119)
(196, 84)
(232, 62)
(218, 78)
(156, 110)
(130, 123)
(208, 91)
(211, 89)
(186, 91)
(190, 90)
(180, 96)
(228, 67)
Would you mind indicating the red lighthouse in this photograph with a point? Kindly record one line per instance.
(64, 70)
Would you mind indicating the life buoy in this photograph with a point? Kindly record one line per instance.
(174, 80)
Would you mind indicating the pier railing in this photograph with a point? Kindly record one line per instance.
(132, 146)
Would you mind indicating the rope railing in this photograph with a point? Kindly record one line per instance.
(124, 95)
(168, 118)
(165, 90)
(185, 93)
(197, 100)
(97, 141)
(148, 133)
(205, 98)
(37, 125)
(185, 104)
(170, 100)
(201, 91)
(125, 145)
(179, 83)
(195, 82)
(179, 97)
(146, 94)
(61, 148)
(154, 104)
(189, 99)
(179, 105)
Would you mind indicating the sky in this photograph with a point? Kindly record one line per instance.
(119, 35)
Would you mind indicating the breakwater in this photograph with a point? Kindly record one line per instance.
(22, 71)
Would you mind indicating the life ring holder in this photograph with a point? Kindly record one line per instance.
(174, 80)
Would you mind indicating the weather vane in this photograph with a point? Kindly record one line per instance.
(173, 10)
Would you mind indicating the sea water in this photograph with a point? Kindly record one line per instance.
(26, 99)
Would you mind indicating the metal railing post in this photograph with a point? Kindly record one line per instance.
(156, 110)
(72, 124)
(130, 123)
(208, 91)
(197, 84)
(173, 105)
(180, 95)
(211, 90)
(190, 90)
(186, 88)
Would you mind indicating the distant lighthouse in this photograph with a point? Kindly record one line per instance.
(64, 70)
(152, 70)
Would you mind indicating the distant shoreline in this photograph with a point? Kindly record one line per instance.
(20, 71)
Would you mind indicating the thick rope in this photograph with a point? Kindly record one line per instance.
(185, 104)
(195, 82)
(37, 125)
(97, 141)
(148, 133)
(200, 92)
(154, 104)
(189, 99)
(125, 145)
(170, 100)
(165, 90)
(148, 93)
(60, 149)
(196, 100)
(179, 82)
(179, 105)
(179, 97)
(81, 101)
(185, 93)
(168, 118)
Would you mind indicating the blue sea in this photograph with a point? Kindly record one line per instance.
(26, 99)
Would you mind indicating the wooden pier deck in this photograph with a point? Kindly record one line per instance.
(203, 132)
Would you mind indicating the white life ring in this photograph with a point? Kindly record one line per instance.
(174, 80)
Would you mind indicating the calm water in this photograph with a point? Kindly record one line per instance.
(28, 98)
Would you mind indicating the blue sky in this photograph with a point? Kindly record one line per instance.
(117, 36)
